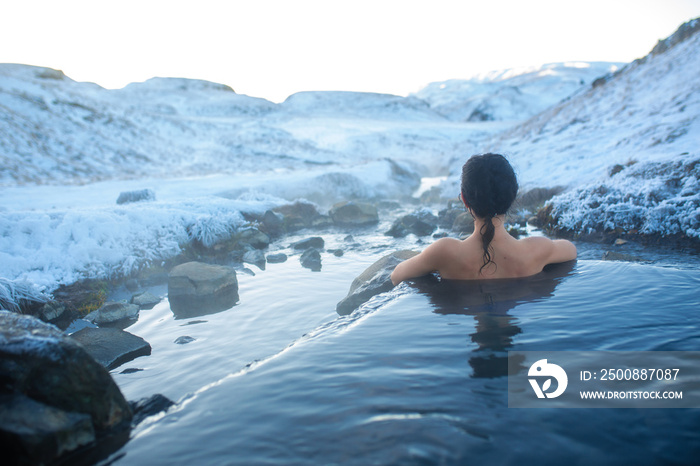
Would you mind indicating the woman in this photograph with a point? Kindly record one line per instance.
(489, 187)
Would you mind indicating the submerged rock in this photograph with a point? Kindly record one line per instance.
(354, 214)
(112, 347)
(150, 406)
(311, 259)
(195, 288)
(619, 256)
(183, 340)
(374, 280)
(54, 393)
(128, 197)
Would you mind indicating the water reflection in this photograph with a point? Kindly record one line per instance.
(489, 301)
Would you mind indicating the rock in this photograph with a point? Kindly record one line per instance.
(112, 347)
(354, 214)
(111, 312)
(464, 223)
(535, 198)
(145, 300)
(273, 223)
(420, 223)
(447, 217)
(311, 259)
(195, 289)
(51, 311)
(183, 340)
(620, 242)
(374, 280)
(277, 258)
(128, 197)
(150, 406)
(35, 433)
(618, 256)
(255, 257)
(253, 237)
(313, 242)
(299, 215)
(38, 362)
(132, 284)
(337, 252)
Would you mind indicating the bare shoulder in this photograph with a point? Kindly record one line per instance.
(550, 251)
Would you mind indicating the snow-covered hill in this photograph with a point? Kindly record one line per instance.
(515, 94)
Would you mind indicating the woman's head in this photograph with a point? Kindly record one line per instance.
(489, 187)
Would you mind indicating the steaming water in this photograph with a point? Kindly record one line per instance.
(415, 376)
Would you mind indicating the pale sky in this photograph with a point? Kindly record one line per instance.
(274, 48)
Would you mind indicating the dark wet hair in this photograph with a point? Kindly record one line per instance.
(489, 187)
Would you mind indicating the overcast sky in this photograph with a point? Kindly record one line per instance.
(273, 48)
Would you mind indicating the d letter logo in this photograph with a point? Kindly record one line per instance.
(543, 369)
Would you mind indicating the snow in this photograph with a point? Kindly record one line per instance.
(69, 149)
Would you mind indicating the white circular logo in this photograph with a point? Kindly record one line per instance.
(543, 369)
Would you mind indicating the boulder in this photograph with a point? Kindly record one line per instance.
(51, 311)
(195, 288)
(141, 195)
(374, 280)
(311, 259)
(52, 389)
(111, 312)
(313, 242)
(354, 214)
(111, 347)
(420, 223)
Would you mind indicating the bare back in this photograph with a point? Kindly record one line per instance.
(463, 260)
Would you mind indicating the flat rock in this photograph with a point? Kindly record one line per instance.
(112, 312)
(253, 237)
(374, 280)
(195, 289)
(112, 347)
(145, 300)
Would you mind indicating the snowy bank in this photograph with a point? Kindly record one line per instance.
(650, 198)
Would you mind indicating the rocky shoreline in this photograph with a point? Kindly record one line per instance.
(202, 280)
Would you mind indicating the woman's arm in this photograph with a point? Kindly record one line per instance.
(422, 264)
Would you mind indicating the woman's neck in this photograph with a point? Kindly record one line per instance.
(498, 223)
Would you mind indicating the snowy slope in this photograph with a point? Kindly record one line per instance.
(650, 110)
(514, 94)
